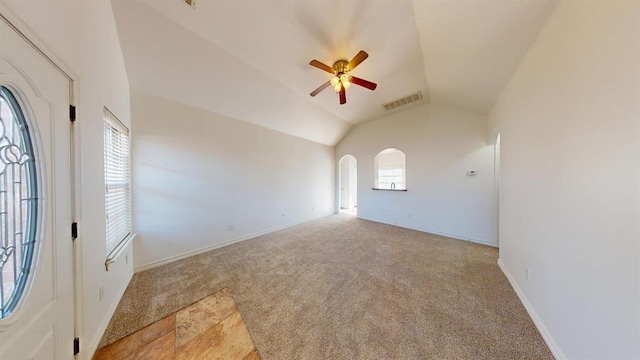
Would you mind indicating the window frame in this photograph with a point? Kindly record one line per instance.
(112, 124)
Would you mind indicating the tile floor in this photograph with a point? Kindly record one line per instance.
(212, 328)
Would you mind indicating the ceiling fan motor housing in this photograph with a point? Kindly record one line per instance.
(340, 67)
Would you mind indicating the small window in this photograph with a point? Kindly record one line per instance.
(390, 170)
(19, 201)
(117, 181)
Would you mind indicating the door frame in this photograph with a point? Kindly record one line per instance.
(494, 140)
(340, 184)
(13, 20)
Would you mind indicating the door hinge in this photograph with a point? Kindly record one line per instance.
(74, 230)
(76, 346)
(72, 113)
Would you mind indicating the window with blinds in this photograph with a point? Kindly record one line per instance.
(390, 170)
(391, 178)
(117, 181)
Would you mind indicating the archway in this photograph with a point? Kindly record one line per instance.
(390, 170)
(348, 184)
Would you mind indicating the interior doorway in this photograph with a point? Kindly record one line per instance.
(348, 178)
(497, 188)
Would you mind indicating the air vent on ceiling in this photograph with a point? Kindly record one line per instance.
(191, 3)
(403, 101)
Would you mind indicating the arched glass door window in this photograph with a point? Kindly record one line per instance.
(390, 170)
(18, 203)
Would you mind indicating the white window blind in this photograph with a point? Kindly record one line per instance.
(117, 181)
(390, 170)
(391, 178)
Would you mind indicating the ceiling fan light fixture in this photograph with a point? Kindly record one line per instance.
(341, 80)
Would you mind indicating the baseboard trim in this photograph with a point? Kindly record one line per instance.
(546, 335)
(187, 254)
(93, 345)
(453, 236)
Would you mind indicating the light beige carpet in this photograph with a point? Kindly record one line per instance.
(346, 288)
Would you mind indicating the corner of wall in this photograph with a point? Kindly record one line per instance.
(92, 346)
(546, 335)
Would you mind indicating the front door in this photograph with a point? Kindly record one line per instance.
(36, 250)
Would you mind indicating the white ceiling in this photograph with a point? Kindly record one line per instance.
(471, 47)
(248, 59)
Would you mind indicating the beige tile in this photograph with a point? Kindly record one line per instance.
(206, 313)
(161, 349)
(228, 340)
(134, 342)
(253, 356)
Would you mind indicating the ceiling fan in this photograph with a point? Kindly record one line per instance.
(341, 79)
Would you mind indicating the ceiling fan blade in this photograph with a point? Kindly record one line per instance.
(360, 57)
(321, 66)
(343, 96)
(322, 87)
(364, 83)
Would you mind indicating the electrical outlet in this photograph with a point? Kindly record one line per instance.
(101, 293)
(126, 259)
(410, 216)
(230, 227)
(284, 215)
(313, 208)
(527, 274)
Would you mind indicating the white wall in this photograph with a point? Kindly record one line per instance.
(569, 121)
(196, 173)
(441, 144)
(353, 183)
(83, 35)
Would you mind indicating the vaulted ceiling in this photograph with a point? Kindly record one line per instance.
(249, 59)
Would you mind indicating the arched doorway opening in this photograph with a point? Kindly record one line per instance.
(348, 184)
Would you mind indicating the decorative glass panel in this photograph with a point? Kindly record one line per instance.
(18, 202)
